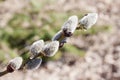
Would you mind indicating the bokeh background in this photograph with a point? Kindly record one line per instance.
(89, 55)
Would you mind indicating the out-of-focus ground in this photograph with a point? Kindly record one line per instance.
(90, 55)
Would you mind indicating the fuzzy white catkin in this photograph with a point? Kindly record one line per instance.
(59, 36)
(71, 24)
(88, 20)
(36, 48)
(50, 48)
(33, 64)
(15, 63)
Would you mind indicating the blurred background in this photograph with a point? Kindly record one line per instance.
(89, 55)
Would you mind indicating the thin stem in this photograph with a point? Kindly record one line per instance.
(3, 73)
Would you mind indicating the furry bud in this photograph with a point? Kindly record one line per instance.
(36, 48)
(87, 21)
(70, 25)
(50, 48)
(33, 64)
(14, 64)
(60, 37)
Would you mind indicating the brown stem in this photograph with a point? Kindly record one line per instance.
(3, 73)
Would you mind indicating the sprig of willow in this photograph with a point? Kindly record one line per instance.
(48, 49)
